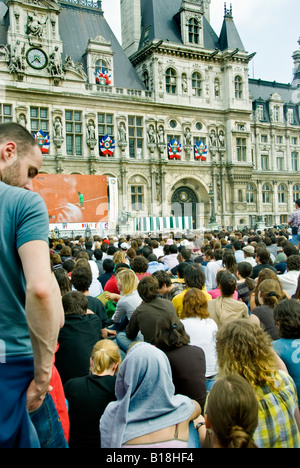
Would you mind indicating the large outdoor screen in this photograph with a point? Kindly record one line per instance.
(73, 198)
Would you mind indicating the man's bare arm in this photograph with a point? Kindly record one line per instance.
(44, 311)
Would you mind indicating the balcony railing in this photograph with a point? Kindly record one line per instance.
(95, 4)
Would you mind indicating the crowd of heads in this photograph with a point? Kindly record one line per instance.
(245, 356)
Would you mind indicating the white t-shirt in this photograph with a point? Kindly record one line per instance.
(202, 333)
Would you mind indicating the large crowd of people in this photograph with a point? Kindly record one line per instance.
(190, 341)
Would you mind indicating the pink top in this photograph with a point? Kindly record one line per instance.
(217, 293)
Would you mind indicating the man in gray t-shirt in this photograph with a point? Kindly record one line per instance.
(31, 311)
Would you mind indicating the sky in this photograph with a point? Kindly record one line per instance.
(270, 28)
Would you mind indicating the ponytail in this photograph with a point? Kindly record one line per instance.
(238, 438)
(104, 355)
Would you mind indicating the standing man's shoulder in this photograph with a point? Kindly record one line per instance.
(29, 211)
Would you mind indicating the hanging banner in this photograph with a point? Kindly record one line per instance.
(113, 200)
(106, 146)
(43, 140)
(200, 151)
(102, 77)
(174, 149)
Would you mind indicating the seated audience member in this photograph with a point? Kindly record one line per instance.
(140, 266)
(231, 415)
(194, 278)
(289, 280)
(129, 300)
(187, 361)
(237, 249)
(245, 285)
(287, 319)
(229, 262)
(263, 261)
(88, 396)
(225, 308)
(289, 249)
(68, 265)
(147, 413)
(63, 280)
(142, 323)
(200, 328)
(164, 283)
(263, 275)
(120, 257)
(214, 293)
(249, 252)
(111, 285)
(178, 283)
(154, 265)
(186, 256)
(245, 349)
(99, 259)
(270, 294)
(81, 279)
(212, 269)
(95, 288)
(82, 329)
(108, 267)
(170, 260)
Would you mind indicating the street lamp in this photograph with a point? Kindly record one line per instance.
(211, 195)
(88, 233)
(56, 232)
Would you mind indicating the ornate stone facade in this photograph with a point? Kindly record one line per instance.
(189, 86)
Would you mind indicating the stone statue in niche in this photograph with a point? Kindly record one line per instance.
(151, 134)
(122, 132)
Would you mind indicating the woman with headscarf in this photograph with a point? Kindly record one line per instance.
(147, 412)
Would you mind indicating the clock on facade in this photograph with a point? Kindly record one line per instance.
(36, 58)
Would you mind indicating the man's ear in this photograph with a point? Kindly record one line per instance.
(8, 151)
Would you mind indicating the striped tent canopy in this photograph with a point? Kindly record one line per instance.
(163, 223)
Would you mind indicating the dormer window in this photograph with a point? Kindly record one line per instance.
(193, 31)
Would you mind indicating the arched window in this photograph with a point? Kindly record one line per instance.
(193, 31)
(266, 193)
(296, 192)
(197, 84)
(250, 193)
(171, 81)
(238, 87)
(281, 194)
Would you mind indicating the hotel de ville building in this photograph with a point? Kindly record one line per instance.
(171, 113)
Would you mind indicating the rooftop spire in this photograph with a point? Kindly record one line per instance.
(228, 12)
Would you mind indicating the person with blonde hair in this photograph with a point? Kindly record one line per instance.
(231, 415)
(200, 328)
(263, 275)
(129, 300)
(270, 293)
(245, 349)
(120, 257)
(88, 396)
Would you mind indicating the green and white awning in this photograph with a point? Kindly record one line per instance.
(150, 224)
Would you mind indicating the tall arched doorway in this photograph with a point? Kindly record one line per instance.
(184, 203)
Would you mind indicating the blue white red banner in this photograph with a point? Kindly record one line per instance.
(106, 145)
(103, 77)
(200, 151)
(174, 149)
(43, 140)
